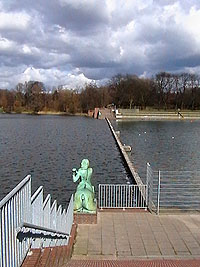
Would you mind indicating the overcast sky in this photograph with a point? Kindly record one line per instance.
(71, 42)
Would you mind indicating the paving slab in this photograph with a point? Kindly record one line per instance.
(139, 235)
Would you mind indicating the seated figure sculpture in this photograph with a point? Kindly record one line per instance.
(84, 200)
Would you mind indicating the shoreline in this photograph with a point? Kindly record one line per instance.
(151, 116)
(45, 113)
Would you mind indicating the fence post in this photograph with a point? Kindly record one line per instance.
(99, 200)
(158, 198)
(147, 185)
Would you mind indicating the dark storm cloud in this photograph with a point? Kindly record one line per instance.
(78, 16)
(76, 41)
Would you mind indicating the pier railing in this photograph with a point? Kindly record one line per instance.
(173, 190)
(179, 190)
(122, 196)
(29, 222)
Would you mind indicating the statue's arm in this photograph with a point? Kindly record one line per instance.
(76, 176)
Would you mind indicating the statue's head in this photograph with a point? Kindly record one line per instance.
(85, 164)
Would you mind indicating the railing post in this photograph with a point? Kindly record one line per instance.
(158, 198)
(37, 207)
(147, 185)
(100, 196)
(46, 211)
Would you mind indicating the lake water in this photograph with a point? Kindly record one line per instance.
(48, 147)
(167, 145)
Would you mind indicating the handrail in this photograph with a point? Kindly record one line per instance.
(34, 196)
(53, 205)
(41, 228)
(15, 190)
(36, 223)
(46, 200)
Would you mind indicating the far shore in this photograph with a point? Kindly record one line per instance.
(127, 115)
(177, 115)
(47, 113)
(61, 113)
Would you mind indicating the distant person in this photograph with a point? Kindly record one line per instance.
(98, 114)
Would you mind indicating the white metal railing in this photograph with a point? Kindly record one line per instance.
(27, 221)
(173, 190)
(122, 196)
(14, 209)
(179, 190)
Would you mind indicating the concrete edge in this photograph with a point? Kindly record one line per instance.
(125, 156)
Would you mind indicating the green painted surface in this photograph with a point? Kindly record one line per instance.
(84, 200)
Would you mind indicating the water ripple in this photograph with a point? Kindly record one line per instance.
(48, 147)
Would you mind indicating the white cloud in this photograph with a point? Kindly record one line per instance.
(73, 81)
(14, 21)
(191, 23)
(192, 70)
(26, 49)
(57, 77)
(130, 26)
(75, 41)
(50, 77)
(6, 45)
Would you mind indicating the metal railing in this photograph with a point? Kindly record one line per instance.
(122, 196)
(27, 221)
(179, 190)
(14, 209)
(173, 190)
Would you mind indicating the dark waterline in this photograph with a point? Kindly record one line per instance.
(167, 145)
(48, 147)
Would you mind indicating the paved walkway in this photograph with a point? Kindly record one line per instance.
(132, 235)
(133, 263)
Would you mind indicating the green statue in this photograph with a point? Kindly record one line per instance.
(84, 200)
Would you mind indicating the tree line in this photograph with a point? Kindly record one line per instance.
(163, 91)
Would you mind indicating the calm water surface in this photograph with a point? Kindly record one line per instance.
(167, 145)
(48, 147)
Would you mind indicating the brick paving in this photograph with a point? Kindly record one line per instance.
(126, 263)
(127, 236)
